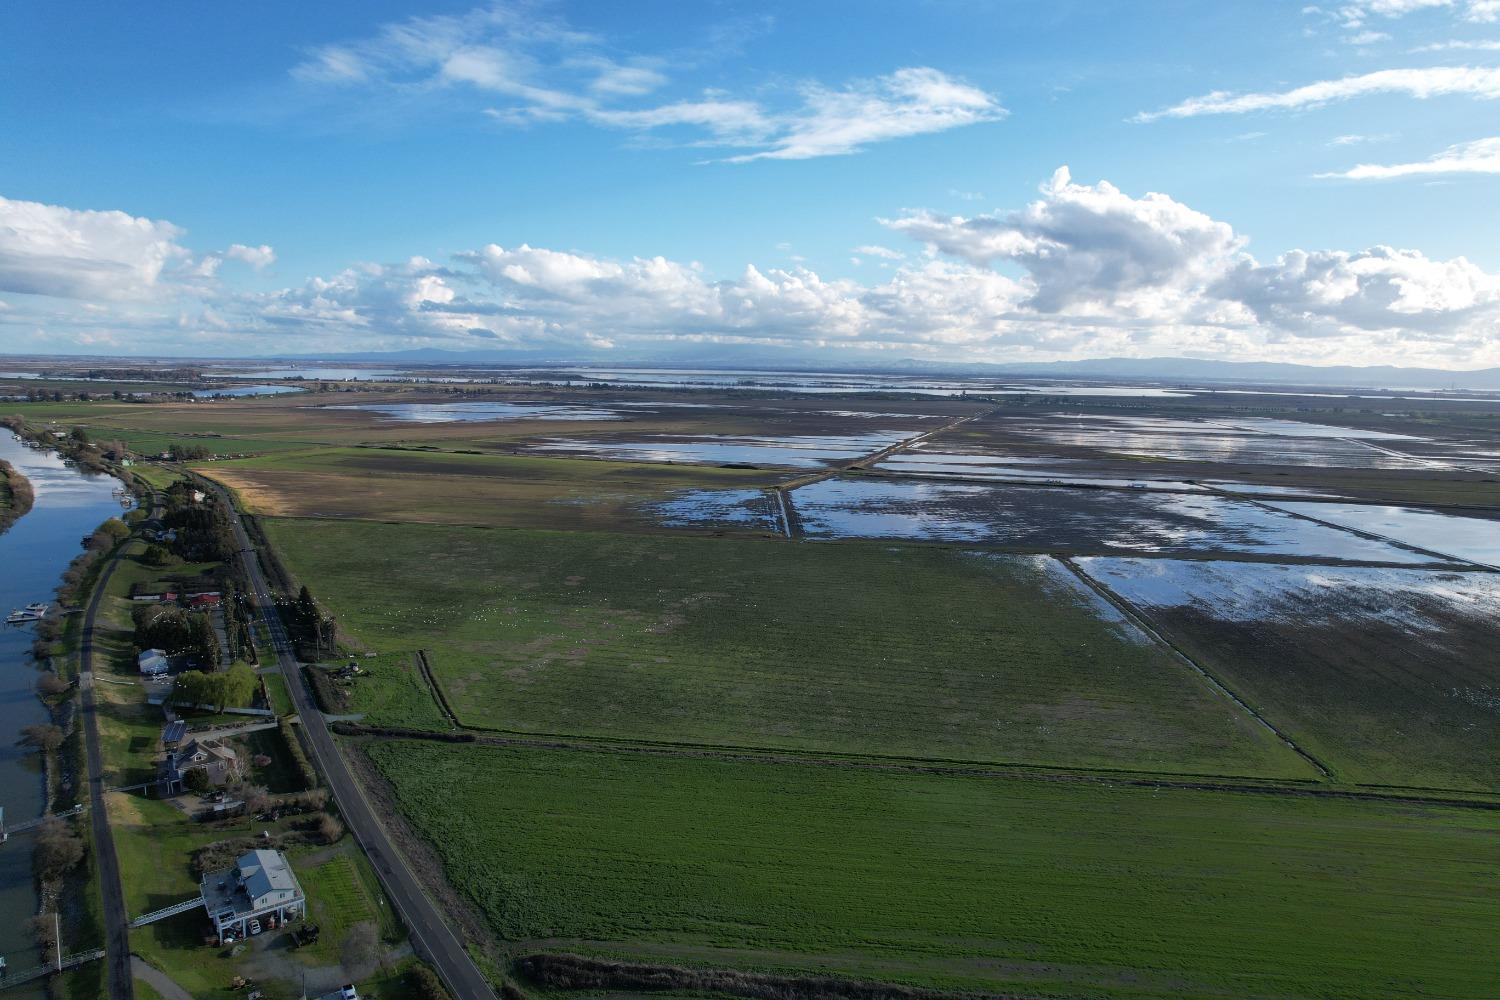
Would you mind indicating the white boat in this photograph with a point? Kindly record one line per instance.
(22, 617)
(40, 607)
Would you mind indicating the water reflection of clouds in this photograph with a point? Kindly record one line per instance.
(1306, 595)
(1061, 518)
(440, 413)
(1472, 538)
(791, 451)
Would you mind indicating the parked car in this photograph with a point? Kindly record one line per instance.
(254, 927)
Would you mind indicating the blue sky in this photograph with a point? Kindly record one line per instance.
(1255, 181)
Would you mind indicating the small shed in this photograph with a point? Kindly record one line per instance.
(153, 662)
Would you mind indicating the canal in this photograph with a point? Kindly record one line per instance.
(36, 549)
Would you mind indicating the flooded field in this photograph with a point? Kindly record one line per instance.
(796, 451)
(236, 391)
(481, 412)
(1473, 538)
(1230, 440)
(720, 508)
(1248, 443)
(1077, 520)
(1071, 472)
(1388, 676)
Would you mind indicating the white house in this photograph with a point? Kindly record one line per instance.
(260, 886)
(153, 662)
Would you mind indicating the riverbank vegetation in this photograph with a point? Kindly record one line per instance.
(16, 495)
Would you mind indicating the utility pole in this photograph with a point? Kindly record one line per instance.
(57, 937)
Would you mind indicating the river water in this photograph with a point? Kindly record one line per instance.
(33, 554)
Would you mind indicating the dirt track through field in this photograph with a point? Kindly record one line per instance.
(783, 492)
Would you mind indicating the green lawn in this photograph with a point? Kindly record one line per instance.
(1075, 889)
(156, 476)
(344, 893)
(858, 648)
(281, 699)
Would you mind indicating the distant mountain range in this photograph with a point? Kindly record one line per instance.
(1174, 370)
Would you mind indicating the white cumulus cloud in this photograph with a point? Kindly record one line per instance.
(1083, 270)
(71, 253)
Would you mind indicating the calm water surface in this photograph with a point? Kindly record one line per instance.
(33, 554)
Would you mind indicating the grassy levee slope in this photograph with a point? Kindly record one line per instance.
(1049, 888)
(856, 648)
(1390, 676)
(446, 488)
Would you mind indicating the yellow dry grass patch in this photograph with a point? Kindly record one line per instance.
(255, 497)
(122, 809)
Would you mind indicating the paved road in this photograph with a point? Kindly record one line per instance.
(159, 981)
(433, 938)
(116, 921)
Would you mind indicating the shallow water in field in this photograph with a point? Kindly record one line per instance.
(330, 374)
(1309, 595)
(1302, 428)
(809, 451)
(995, 467)
(247, 390)
(1473, 538)
(1053, 518)
(730, 508)
(442, 413)
(1248, 441)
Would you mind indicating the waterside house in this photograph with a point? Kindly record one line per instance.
(217, 761)
(259, 887)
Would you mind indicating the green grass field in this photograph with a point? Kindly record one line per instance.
(344, 892)
(1051, 888)
(155, 476)
(280, 698)
(858, 648)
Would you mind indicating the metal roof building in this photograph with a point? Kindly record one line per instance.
(260, 886)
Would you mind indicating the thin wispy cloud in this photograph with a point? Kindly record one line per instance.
(1356, 139)
(1482, 156)
(908, 102)
(543, 71)
(1422, 84)
(1354, 13)
(1459, 45)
